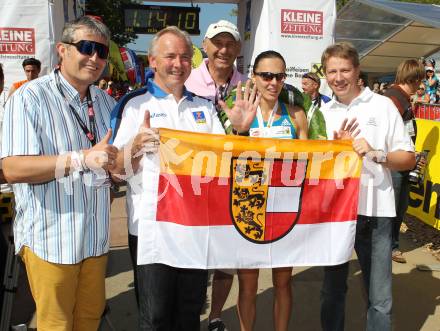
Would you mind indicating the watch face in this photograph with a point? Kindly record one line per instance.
(381, 156)
(377, 156)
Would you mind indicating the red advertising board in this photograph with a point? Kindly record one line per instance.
(302, 22)
(17, 41)
(427, 111)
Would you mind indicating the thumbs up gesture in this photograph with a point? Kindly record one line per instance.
(146, 140)
(102, 155)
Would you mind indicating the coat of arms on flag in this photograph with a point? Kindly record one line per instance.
(265, 207)
(241, 202)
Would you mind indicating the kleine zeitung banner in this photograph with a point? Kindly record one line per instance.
(31, 28)
(299, 30)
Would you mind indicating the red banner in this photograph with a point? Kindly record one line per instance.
(17, 41)
(427, 111)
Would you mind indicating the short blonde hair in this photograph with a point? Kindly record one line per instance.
(342, 50)
(175, 31)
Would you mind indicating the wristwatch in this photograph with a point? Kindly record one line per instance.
(245, 133)
(378, 156)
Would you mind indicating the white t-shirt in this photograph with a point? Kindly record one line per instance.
(382, 126)
(191, 113)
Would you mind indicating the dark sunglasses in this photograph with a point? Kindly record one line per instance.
(87, 47)
(268, 76)
(421, 89)
(310, 77)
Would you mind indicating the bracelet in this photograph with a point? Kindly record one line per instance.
(83, 161)
(245, 133)
(75, 162)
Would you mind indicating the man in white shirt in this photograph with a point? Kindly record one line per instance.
(385, 146)
(170, 298)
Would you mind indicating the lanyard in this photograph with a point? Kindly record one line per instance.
(310, 113)
(271, 117)
(315, 105)
(221, 93)
(91, 113)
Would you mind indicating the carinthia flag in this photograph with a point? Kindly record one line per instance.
(240, 202)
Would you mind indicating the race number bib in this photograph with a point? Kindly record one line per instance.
(280, 132)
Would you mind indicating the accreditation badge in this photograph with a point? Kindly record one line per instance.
(409, 128)
(255, 132)
(280, 132)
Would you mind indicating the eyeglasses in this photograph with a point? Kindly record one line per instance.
(87, 47)
(268, 76)
(310, 77)
(421, 89)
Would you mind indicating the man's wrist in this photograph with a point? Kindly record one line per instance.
(75, 162)
(378, 156)
(82, 158)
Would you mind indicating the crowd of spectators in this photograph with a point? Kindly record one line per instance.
(428, 91)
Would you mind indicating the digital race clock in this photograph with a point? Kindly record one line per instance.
(151, 19)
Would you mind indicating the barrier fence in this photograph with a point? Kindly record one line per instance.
(427, 111)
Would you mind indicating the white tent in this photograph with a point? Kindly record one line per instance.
(388, 32)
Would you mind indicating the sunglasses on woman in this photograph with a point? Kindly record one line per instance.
(268, 76)
(87, 47)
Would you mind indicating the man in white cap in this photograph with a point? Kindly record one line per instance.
(214, 79)
(217, 75)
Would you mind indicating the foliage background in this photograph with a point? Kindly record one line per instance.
(112, 13)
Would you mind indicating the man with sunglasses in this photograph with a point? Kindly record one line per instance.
(214, 79)
(55, 150)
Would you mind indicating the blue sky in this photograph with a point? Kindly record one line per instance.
(209, 13)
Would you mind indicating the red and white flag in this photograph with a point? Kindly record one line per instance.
(239, 202)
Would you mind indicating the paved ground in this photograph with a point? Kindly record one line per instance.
(416, 293)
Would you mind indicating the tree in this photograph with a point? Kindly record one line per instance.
(234, 12)
(112, 13)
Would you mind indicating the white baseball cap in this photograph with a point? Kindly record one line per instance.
(222, 26)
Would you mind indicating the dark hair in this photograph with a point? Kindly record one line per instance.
(364, 77)
(2, 78)
(31, 62)
(268, 55)
(313, 76)
(89, 23)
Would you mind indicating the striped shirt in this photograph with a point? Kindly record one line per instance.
(66, 220)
